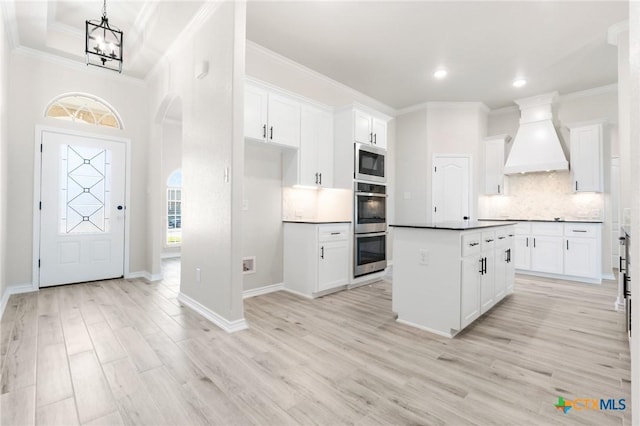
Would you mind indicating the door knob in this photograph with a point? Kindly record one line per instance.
(120, 207)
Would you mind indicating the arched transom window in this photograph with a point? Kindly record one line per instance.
(84, 108)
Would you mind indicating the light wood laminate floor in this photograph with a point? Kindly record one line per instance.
(126, 352)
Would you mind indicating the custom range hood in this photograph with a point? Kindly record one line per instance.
(536, 147)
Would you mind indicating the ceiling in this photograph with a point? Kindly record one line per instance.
(387, 50)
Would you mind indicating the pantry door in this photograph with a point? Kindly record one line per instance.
(82, 208)
(450, 188)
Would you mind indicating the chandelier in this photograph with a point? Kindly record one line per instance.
(103, 43)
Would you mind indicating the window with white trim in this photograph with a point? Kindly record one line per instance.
(83, 108)
(174, 209)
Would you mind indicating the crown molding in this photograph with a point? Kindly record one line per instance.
(445, 105)
(504, 110)
(610, 88)
(374, 103)
(616, 30)
(74, 64)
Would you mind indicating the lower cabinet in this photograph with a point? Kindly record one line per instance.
(569, 250)
(316, 257)
(470, 290)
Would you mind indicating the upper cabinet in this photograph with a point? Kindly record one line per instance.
(368, 129)
(271, 117)
(586, 140)
(312, 164)
(494, 147)
(355, 124)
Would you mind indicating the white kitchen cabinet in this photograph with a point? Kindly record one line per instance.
(581, 249)
(510, 264)
(444, 279)
(470, 290)
(586, 142)
(488, 274)
(312, 164)
(355, 123)
(368, 129)
(494, 147)
(271, 117)
(566, 250)
(504, 269)
(316, 258)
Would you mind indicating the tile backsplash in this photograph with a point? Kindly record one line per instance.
(316, 205)
(542, 196)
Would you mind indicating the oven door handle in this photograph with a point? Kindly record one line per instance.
(370, 194)
(375, 234)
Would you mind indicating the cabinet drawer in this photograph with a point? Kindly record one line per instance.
(488, 240)
(550, 229)
(471, 244)
(333, 233)
(580, 230)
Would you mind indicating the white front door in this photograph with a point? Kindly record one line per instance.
(82, 211)
(450, 189)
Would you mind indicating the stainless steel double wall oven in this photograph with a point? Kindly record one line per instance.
(370, 211)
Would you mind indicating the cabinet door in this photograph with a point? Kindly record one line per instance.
(586, 158)
(333, 264)
(522, 252)
(255, 112)
(487, 290)
(284, 121)
(379, 130)
(500, 283)
(362, 127)
(547, 254)
(510, 269)
(308, 174)
(494, 167)
(325, 149)
(581, 257)
(470, 290)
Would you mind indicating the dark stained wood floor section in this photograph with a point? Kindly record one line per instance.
(126, 352)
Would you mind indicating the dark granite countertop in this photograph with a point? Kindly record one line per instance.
(543, 220)
(454, 226)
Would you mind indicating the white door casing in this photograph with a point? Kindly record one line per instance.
(450, 188)
(82, 212)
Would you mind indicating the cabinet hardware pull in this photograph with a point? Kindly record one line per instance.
(498, 189)
(485, 265)
(481, 266)
(576, 185)
(335, 233)
(322, 252)
(271, 133)
(488, 240)
(511, 235)
(527, 242)
(316, 178)
(320, 178)
(473, 244)
(501, 238)
(375, 139)
(264, 131)
(567, 244)
(578, 230)
(534, 243)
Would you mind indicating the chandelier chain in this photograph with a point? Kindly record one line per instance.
(104, 9)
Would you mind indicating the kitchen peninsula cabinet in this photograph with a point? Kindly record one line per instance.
(271, 117)
(316, 257)
(586, 140)
(446, 274)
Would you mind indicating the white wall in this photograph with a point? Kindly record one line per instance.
(212, 143)
(262, 221)
(4, 143)
(436, 128)
(34, 82)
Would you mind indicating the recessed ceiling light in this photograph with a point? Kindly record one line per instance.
(519, 82)
(441, 73)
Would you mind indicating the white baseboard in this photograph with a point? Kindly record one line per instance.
(262, 290)
(223, 323)
(14, 289)
(609, 277)
(422, 327)
(297, 293)
(143, 274)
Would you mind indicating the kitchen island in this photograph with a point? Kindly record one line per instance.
(447, 274)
